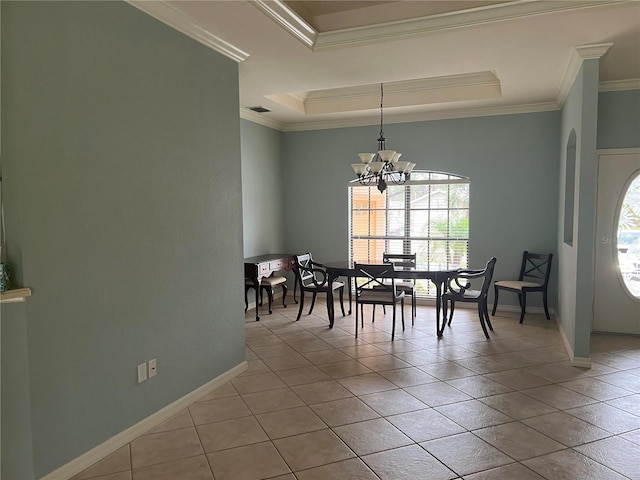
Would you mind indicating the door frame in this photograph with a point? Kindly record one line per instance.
(599, 152)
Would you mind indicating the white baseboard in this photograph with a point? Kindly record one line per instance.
(582, 362)
(504, 308)
(121, 439)
(276, 296)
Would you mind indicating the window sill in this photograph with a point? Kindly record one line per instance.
(14, 296)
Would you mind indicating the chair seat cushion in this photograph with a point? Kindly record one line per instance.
(274, 281)
(378, 296)
(405, 285)
(517, 285)
(470, 294)
(323, 287)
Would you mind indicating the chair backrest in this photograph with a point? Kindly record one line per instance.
(536, 267)
(308, 271)
(402, 260)
(374, 276)
(461, 282)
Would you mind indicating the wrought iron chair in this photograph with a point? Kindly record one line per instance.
(375, 290)
(534, 277)
(269, 285)
(405, 261)
(312, 278)
(460, 289)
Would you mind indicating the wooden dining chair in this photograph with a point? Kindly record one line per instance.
(312, 278)
(372, 288)
(405, 261)
(460, 288)
(534, 277)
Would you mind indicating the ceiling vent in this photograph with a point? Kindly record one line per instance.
(259, 109)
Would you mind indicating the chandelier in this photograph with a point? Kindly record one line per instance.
(383, 167)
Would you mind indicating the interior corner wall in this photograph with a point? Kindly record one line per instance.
(115, 131)
(512, 161)
(262, 189)
(576, 262)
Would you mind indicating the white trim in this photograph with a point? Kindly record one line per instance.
(445, 21)
(578, 56)
(289, 20)
(582, 362)
(168, 14)
(261, 119)
(617, 151)
(121, 439)
(422, 117)
(516, 309)
(620, 85)
(422, 91)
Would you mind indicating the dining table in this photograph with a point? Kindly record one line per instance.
(436, 274)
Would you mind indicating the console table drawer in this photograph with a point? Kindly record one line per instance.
(276, 265)
(263, 268)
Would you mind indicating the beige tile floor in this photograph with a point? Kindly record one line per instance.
(317, 403)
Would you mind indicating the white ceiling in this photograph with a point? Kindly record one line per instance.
(319, 64)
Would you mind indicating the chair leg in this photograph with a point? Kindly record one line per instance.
(342, 301)
(544, 302)
(373, 316)
(413, 306)
(402, 304)
(481, 317)
(485, 311)
(313, 302)
(523, 305)
(246, 302)
(285, 289)
(357, 318)
(270, 298)
(331, 310)
(495, 300)
(453, 306)
(393, 325)
(301, 305)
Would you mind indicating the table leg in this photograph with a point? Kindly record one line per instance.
(349, 287)
(330, 312)
(256, 286)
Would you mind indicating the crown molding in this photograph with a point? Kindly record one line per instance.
(422, 117)
(424, 91)
(289, 20)
(476, 16)
(162, 10)
(578, 56)
(261, 119)
(620, 85)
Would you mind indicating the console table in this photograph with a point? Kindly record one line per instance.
(257, 268)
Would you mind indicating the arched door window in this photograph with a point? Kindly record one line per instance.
(628, 238)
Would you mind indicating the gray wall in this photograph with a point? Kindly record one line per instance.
(262, 189)
(575, 262)
(512, 161)
(619, 119)
(121, 181)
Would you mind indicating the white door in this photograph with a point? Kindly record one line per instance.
(617, 258)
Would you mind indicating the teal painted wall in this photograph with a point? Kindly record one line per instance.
(575, 262)
(262, 189)
(512, 161)
(619, 119)
(122, 189)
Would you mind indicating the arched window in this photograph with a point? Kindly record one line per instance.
(628, 241)
(428, 215)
